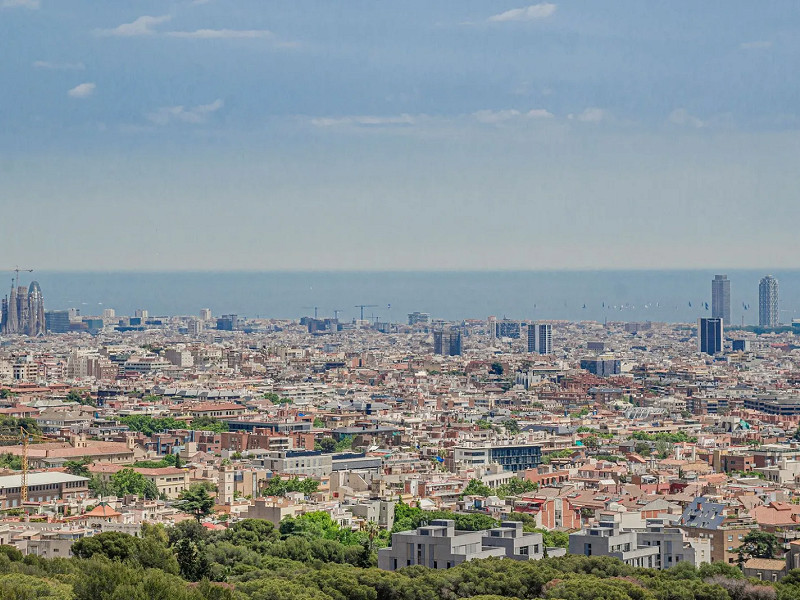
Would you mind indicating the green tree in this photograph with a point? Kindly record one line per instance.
(591, 442)
(515, 487)
(149, 551)
(78, 467)
(496, 369)
(642, 448)
(148, 425)
(344, 443)
(511, 426)
(209, 424)
(281, 487)
(192, 560)
(128, 481)
(327, 444)
(757, 544)
(73, 396)
(476, 487)
(11, 461)
(663, 449)
(196, 501)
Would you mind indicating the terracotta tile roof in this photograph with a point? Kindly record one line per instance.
(102, 510)
(767, 564)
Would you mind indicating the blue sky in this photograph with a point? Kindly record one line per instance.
(220, 134)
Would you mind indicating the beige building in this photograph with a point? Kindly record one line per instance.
(170, 481)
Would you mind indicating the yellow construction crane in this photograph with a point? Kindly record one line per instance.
(25, 438)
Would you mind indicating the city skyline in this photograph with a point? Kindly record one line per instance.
(305, 136)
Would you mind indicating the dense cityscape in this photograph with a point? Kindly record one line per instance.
(457, 300)
(426, 442)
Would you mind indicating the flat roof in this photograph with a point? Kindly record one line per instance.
(15, 481)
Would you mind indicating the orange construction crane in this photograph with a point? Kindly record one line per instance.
(25, 438)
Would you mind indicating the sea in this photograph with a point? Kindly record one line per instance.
(673, 296)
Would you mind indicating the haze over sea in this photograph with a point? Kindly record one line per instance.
(452, 295)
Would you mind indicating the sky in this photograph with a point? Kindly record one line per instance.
(360, 135)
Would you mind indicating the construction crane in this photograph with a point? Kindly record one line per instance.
(363, 306)
(336, 312)
(25, 438)
(17, 270)
(310, 307)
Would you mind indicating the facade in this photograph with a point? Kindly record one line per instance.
(608, 539)
(721, 298)
(56, 321)
(42, 487)
(707, 520)
(505, 328)
(440, 546)
(511, 458)
(418, 318)
(768, 302)
(170, 481)
(656, 546)
(709, 335)
(602, 366)
(774, 405)
(540, 338)
(23, 311)
(297, 462)
(228, 323)
(447, 342)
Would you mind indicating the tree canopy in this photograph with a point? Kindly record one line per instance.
(196, 501)
(307, 560)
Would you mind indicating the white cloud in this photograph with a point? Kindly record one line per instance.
(527, 13)
(680, 116)
(32, 4)
(365, 120)
(196, 114)
(43, 64)
(495, 116)
(83, 90)
(501, 116)
(761, 44)
(217, 34)
(141, 26)
(539, 113)
(591, 115)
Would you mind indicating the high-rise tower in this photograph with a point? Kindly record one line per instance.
(721, 298)
(540, 338)
(709, 335)
(768, 302)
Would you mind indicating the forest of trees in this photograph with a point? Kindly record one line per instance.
(312, 558)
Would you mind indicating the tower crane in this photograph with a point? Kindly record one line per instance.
(363, 306)
(336, 312)
(17, 270)
(25, 438)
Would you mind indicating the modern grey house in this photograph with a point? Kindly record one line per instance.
(658, 546)
(440, 546)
